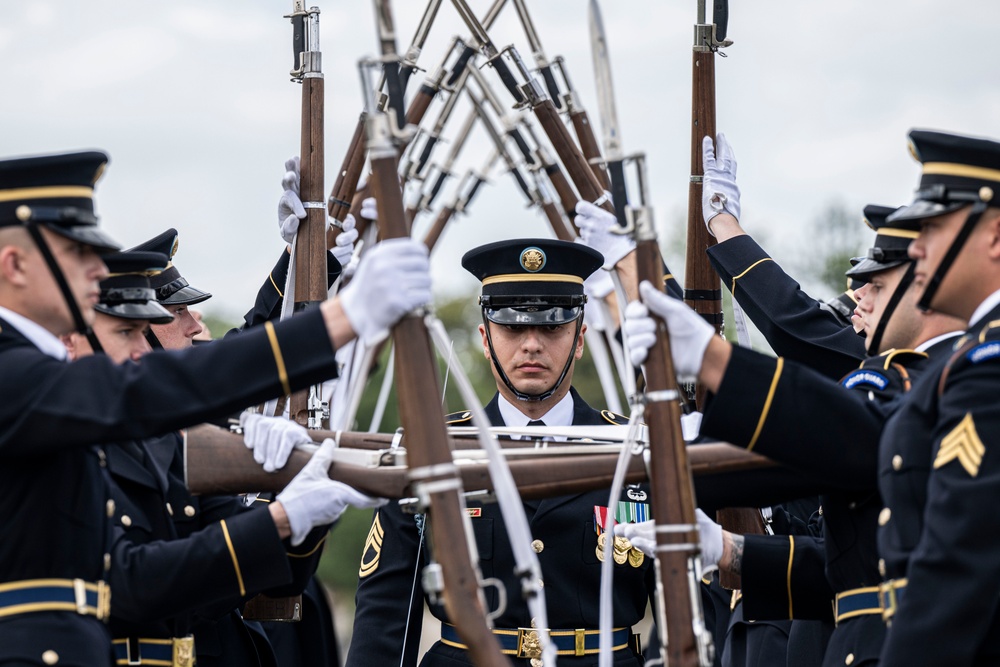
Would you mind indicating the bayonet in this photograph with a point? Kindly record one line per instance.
(390, 64)
(544, 67)
(409, 61)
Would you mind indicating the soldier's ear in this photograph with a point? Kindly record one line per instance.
(579, 342)
(991, 219)
(12, 264)
(486, 342)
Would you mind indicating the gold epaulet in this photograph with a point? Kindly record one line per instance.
(613, 418)
(458, 417)
(889, 357)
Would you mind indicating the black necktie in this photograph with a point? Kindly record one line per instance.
(536, 422)
(532, 505)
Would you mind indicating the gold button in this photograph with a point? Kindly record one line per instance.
(50, 657)
(188, 510)
(881, 566)
(107, 562)
(111, 508)
(883, 516)
(820, 510)
(538, 546)
(126, 520)
(170, 510)
(849, 659)
(897, 462)
(23, 214)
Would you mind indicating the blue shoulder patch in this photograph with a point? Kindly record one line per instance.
(865, 376)
(983, 352)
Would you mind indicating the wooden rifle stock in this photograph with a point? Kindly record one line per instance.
(565, 192)
(556, 221)
(434, 233)
(217, 462)
(589, 146)
(344, 188)
(672, 495)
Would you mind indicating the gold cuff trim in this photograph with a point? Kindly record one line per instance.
(533, 278)
(748, 270)
(275, 285)
(962, 170)
(767, 403)
(232, 554)
(48, 192)
(788, 576)
(279, 360)
(316, 548)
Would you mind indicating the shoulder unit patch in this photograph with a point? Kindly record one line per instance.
(983, 352)
(962, 443)
(459, 417)
(613, 418)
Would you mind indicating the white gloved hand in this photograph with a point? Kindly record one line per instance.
(343, 248)
(642, 535)
(598, 285)
(595, 225)
(710, 537)
(392, 279)
(313, 499)
(272, 439)
(369, 209)
(719, 192)
(689, 333)
(290, 208)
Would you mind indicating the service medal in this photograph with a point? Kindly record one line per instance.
(635, 557)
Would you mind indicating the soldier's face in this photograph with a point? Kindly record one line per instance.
(180, 333)
(904, 322)
(972, 275)
(533, 357)
(83, 269)
(122, 340)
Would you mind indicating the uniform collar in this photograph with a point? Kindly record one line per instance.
(991, 302)
(927, 344)
(37, 334)
(561, 413)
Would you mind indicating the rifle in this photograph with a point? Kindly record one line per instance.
(531, 94)
(217, 462)
(408, 64)
(430, 466)
(339, 203)
(311, 241)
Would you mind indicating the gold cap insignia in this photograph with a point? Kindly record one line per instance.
(913, 150)
(532, 259)
(173, 249)
(962, 443)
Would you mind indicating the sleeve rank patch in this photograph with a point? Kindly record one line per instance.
(373, 548)
(962, 443)
(983, 352)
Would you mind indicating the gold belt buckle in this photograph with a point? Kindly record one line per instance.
(887, 600)
(529, 645)
(184, 651)
(103, 601)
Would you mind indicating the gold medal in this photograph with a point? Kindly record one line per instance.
(600, 554)
(620, 557)
(635, 557)
(602, 539)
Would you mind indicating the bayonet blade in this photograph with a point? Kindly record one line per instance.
(720, 17)
(605, 86)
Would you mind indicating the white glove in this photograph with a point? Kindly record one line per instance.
(598, 285)
(313, 499)
(369, 209)
(392, 279)
(290, 208)
(689, 333)
(719, 192)
(710, 537)
(343, 248)
(642, 535)
(272, 439)
(595, 225)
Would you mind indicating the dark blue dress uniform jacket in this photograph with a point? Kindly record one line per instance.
(55, 493)
(791, 321)
(815, 426)
(182, 563)
(939, 474)
(564, 525)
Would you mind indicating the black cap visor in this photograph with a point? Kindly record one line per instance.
(924, 208)
(88, 234)
(151, 310)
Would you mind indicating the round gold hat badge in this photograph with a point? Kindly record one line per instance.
(532, 259)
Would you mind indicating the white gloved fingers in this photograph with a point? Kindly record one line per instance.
(598, 285)
(639, 346)
(711, 539)
(591, 214)
(369, 209)
(639, 331)
(725, 155)
(290, 181)
(642, 535)
(656, 301)
(348, 225)
(343, 248)
(596, 225)
(707, 154)
(689, 333)
(272, 439)
(290, 212)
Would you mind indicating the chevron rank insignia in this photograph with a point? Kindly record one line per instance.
(962, 443)
(373, 548)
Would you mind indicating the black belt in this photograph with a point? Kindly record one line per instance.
(525, 642)
(172, 652)
(75, 595)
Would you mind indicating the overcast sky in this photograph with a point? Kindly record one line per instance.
(192, 101)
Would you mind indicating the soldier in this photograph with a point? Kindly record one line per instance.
(54, 415)
(532, 335)
(760, 402)
(938, 466)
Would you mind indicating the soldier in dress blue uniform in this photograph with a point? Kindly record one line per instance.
(760, 402)
(55, 595)
(532, 334)
(939, 455)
